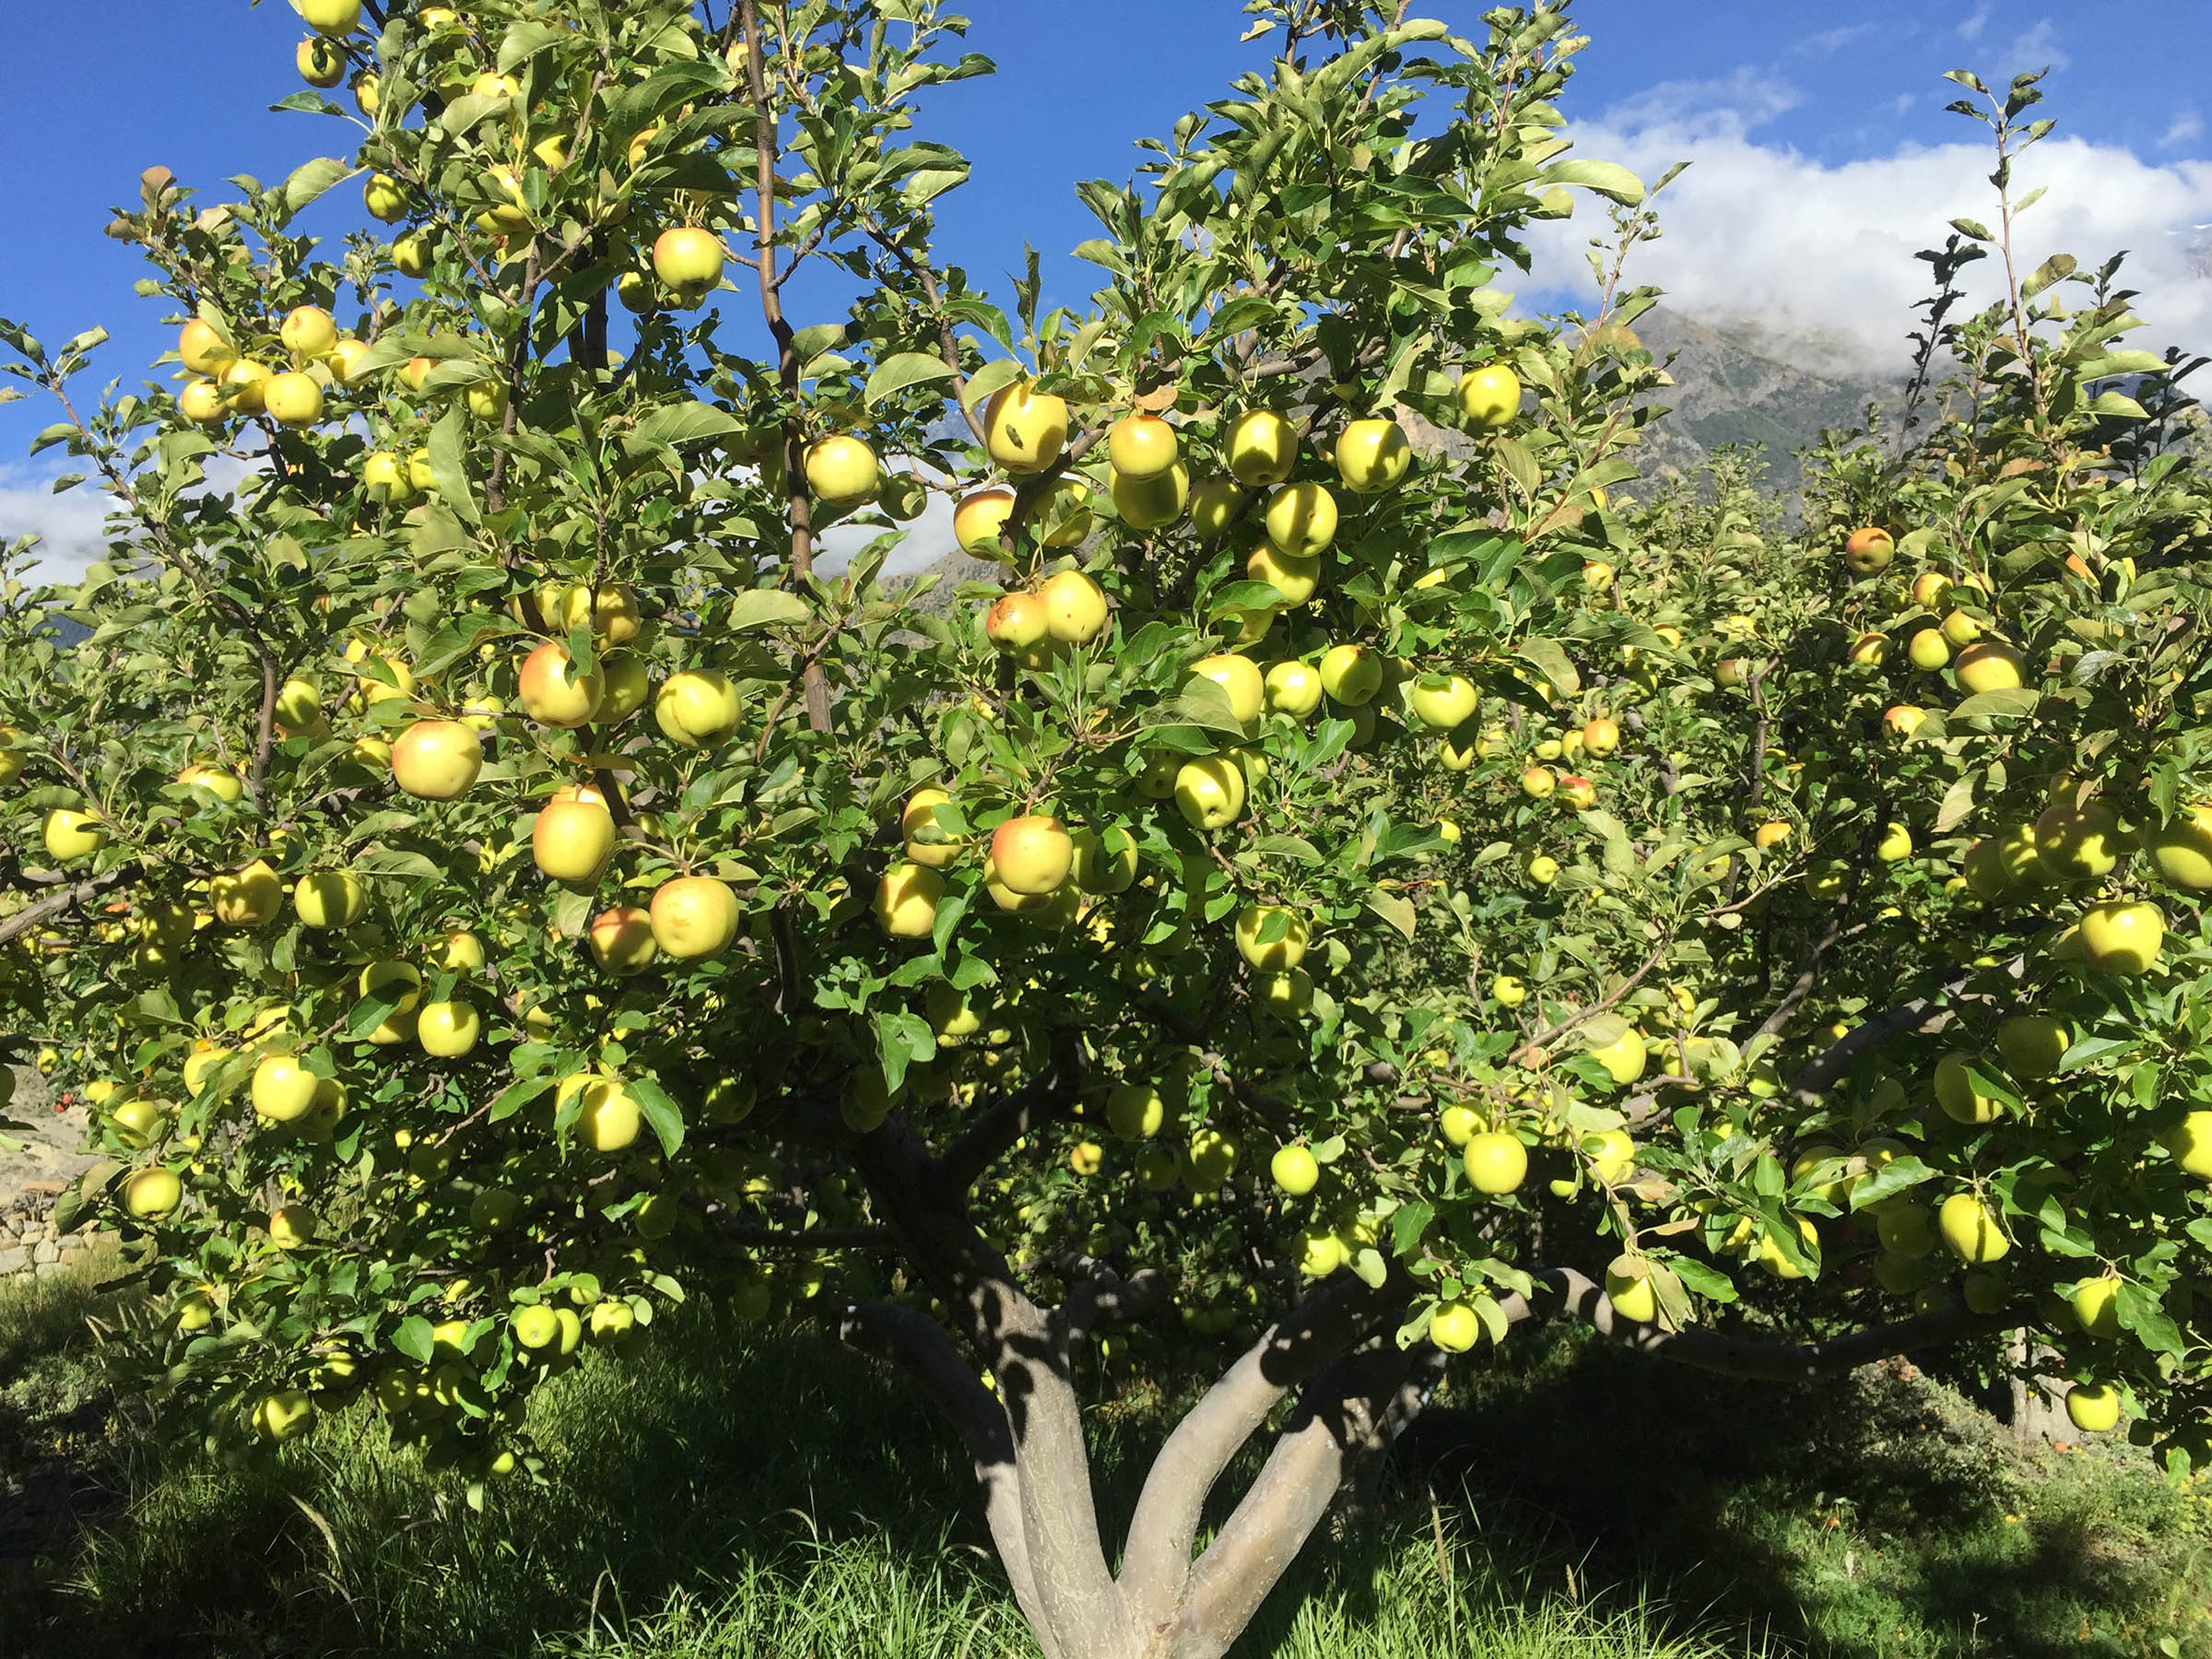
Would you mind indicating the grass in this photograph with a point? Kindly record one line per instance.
(713, 1498)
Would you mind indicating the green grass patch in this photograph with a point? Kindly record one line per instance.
(713, 1495)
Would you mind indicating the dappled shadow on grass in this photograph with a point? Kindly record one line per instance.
(1870, 1517)
(710, 1494)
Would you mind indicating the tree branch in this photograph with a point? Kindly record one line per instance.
(1044, 1101)
(56, 904)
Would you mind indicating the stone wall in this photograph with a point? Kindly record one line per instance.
(32, 1179)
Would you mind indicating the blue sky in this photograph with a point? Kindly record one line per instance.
(1816, 131)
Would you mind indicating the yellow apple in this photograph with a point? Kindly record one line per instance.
(307, 331)
(202, 401)
(1624, 1057)
(1373, 455)
(1351, 675)
(572, 839)
(1261, 448)
(224, 785)
(1063, 514)
(694, 916)
(1024, 429)
(247, 898)
(1134, 1110)
(1928, 650)
(332, 17)
(1988, 667)
(621, 938)
(1149, 503)
(920, 816)
(1274, 955)
(203, 349)
(1495, 1162)
(2190, 1141)
(436, 759)
(2181, 850)
(1141, 447)
(2032, 1045)
(1455, 1327)
(1106, 860)
(1972, 1229)
(980, 519)
(385, 198)
(1294, 1170)
(2118, 937)
(906, 900)
(1295, 578)
(282, 1089)
(151, 1194)
(70, 835)
(1293, 688)
(293, 400)
(696, 707)
(1869, 551)
(1489, 397)
(2097, 1306)
(2093, 1407)
(448, 1030)
(1442, 701)
(329, 899)
(1630, 1289)
(1074, 607)
(1210, 792)
(1240, 679)
(292, 1226)
(1956, 1093)
(841, 470)
(553, 692)
(285, 1414)
(1033, 854)
(1301, 520)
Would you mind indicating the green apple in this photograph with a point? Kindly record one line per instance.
(1301, 520)
(1351, 675)
(1489, 397)
(2123, 938)
(1240, 679)
(696, 707)
(1210, 792)
(1261, 449)
(1442, 701)
(1972, 1229)
(1495, 1162)
(2031, 1045)
(841, 470)
(329, 899)
(1295, 1171)
(1293, 688)
(1141, 447)
(2181, 850)
(1024, 429)
(1373, 455)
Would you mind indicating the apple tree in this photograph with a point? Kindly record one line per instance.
(1348, 885)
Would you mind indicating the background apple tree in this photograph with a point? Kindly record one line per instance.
(1347, 886)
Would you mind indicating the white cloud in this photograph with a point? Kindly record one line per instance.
(928, 539)
(68, 526)
(2038, 49)
(1761, 232)
(2187, 126)
(1833, 39)
(1746, 101)
(1972, 29)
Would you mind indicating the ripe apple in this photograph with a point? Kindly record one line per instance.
(1869, 551)
(2078, 842)
(1578, 792)
(387, 478)
(1295, 578)
(1301, 520)
(1538, 782)
(1442, 701)
(980, 520)
(628, 685)
(1017, 622)
(919, 816)
(611, 1118)
(2190, 1141)
(1034, 855)
(1293, 688)
(1074, 607)
(329, 899)
(2097, 1306)
(1630, 1289)
(1928, 650)
(1134, 1110)
(1295, 1171)
(1141, 446)
(1455, 1327)
(1210, 792)
(1960, 629)
(1956, 1093)
(293, 400)
(1240, 679)
(202, 401)
(1024, 429)
(950, 1013)
(1216, 506)
(1271, 955)
(1929, 588)
(1904, 720)
(1988, 667)
(151, 1194)
(1612, 1156)
(307, 332)
(1149, 503)
(1624, 1057)
(1870, 649)
(292, 1226)
(247, 898)
(1495, 1162)
(463, 953)
(536, 1326)
(203, 349)
(436, 759)
(245, 383)
(2119, 937)
(1351, 675)
(448, 1030)
(572, 839)
(696, 707)
(333, 17)
(385, 198)
(906, 900)
(412, 253)
(1373, 455)
(553, 692)
(1896, 844)
(2032, 1045)
(694, 916)
(1972, 1229)
(2181, 850)
(224, 785)
(1106, 860)
(1489, 397)
(621, 939)
(2093, 1407)
(283, 1089)
(1213, 1159)
(1261, 449)
(841, 470)
(70, 835)
(285, 1414)
(1771, 834)
(1601, 736)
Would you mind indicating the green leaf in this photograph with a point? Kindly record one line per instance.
(663, 1113)
(765, 607)
(2119, 404)
(1607, 178)
(1407, 1223)
(686, 423)
(1998, 705)
(907, 369)
(1549, 659)
(1894, 1177)
(1399, 912)
(414, 1338)
(448, 445)
(515, 1096)
(523, 41)
(311, 178)
(990, 378)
